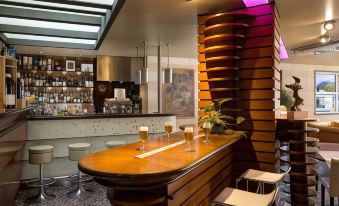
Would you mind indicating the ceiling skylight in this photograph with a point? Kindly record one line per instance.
(48, 38)
(57, 5)
(47, 24)
(68, 23)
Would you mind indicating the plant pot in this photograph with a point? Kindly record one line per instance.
(217, 129)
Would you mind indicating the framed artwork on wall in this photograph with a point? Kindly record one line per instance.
(70, 65)
(178, 97)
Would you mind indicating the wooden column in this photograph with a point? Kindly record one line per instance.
(296, 152)
(239, 58)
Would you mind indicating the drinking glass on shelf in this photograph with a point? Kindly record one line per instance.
(168, 129)
(206, 128)
(143, 135)
(188, 133)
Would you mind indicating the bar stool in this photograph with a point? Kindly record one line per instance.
(235, 197)
(112, 144)
(262, 178)
(40, 155)
(76, 152)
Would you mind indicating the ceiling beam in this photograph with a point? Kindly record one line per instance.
(109, 20)
(52, 8)
(49, 16)
(79, 3)
(4, 28)
(49, 44)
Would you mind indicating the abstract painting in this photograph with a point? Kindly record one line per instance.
(178, 97)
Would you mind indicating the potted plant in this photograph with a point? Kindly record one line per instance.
(220, 123)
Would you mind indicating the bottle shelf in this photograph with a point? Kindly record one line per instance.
(53, 71)
(59, 87)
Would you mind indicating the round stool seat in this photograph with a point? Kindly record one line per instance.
(111, 144)
(78, 150)
(79, 146)
(41, 154)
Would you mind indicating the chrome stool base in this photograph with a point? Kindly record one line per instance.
(41, 197)
(80, 190)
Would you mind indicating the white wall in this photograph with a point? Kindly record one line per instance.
(306, 74)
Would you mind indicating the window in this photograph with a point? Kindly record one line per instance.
(326, 92)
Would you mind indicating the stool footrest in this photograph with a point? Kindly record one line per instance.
(37, 182)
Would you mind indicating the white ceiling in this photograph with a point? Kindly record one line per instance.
(301, 24)
(156, 21)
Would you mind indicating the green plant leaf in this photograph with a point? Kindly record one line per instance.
(240, 120)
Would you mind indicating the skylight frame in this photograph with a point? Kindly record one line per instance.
(51, 32)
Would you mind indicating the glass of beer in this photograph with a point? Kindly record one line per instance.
(206, 128)
(168, 129)
(188, 133)
(143, 135)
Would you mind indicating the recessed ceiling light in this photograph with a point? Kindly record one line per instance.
(329, 25)
(41, 52)
(325, 38)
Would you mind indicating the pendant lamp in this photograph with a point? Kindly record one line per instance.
(144, 71)
(167, 72)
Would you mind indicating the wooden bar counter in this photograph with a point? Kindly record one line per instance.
(169, 177)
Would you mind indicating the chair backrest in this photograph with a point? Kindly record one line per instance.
(334, 178)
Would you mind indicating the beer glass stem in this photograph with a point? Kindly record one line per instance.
(189, 146)
(143, 145)
(168, 136)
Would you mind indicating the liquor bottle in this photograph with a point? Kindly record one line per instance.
(35, 62)
(44, 64)
(49, 64)
(30, 62)
(40, 63)
(10, 96)
(19, 87)
(19, 62)
(30, 79)
(24, 62)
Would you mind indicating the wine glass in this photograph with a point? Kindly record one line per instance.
(206, 128)
(168, 129)
(188, 133)
(143, 135)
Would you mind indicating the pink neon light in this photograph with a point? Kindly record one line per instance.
(250, 3)
(283, 52)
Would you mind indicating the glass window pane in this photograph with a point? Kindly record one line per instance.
(325, 82)
(47, 38)
(55, 11)
(58, 5)
(325, 103)
(50, 25)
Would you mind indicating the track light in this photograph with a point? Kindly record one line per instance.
(329, 25)
(324, 39)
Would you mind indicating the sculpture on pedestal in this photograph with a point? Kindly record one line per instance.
(295, 87)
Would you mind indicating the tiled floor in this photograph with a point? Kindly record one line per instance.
(97, 198)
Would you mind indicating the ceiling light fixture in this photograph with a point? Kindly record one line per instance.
(329, 25)
(144, 71)
(324, 39)
(167, 72)
(138, 73)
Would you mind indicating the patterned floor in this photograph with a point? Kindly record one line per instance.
(97, 198)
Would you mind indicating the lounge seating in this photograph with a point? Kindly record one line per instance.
(328, 132)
